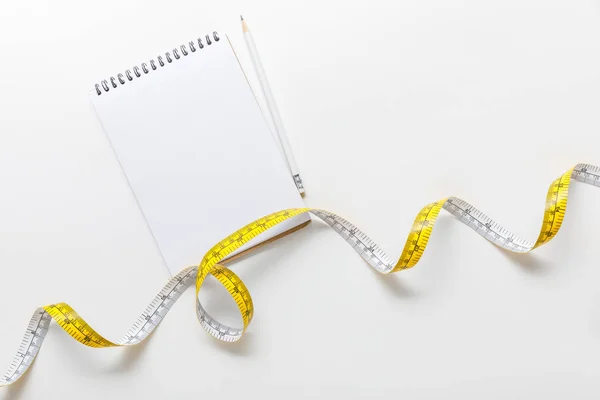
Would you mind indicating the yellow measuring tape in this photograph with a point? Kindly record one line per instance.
(418, 237)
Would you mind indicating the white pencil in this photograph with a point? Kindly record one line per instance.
(274, 111)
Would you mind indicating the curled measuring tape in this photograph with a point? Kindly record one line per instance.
(68, 319)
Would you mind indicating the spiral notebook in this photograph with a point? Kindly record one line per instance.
(195, 149)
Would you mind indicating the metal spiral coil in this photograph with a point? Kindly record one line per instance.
(143, 69)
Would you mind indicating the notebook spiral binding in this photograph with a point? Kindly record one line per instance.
(143, 69)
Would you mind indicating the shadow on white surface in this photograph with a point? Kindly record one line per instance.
(131, 356)
(528, 263)
(242, 348)
(395, 285)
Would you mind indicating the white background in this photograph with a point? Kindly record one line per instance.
(389, 105)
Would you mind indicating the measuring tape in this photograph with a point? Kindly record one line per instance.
(68, 319)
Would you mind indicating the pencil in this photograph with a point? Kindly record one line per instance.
(273, 110)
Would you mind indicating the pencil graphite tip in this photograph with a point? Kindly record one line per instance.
(245, 28)
(241, 17)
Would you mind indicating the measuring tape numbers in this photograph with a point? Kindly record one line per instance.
(72, 323)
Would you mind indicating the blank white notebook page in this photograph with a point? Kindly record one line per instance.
(196, 152)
